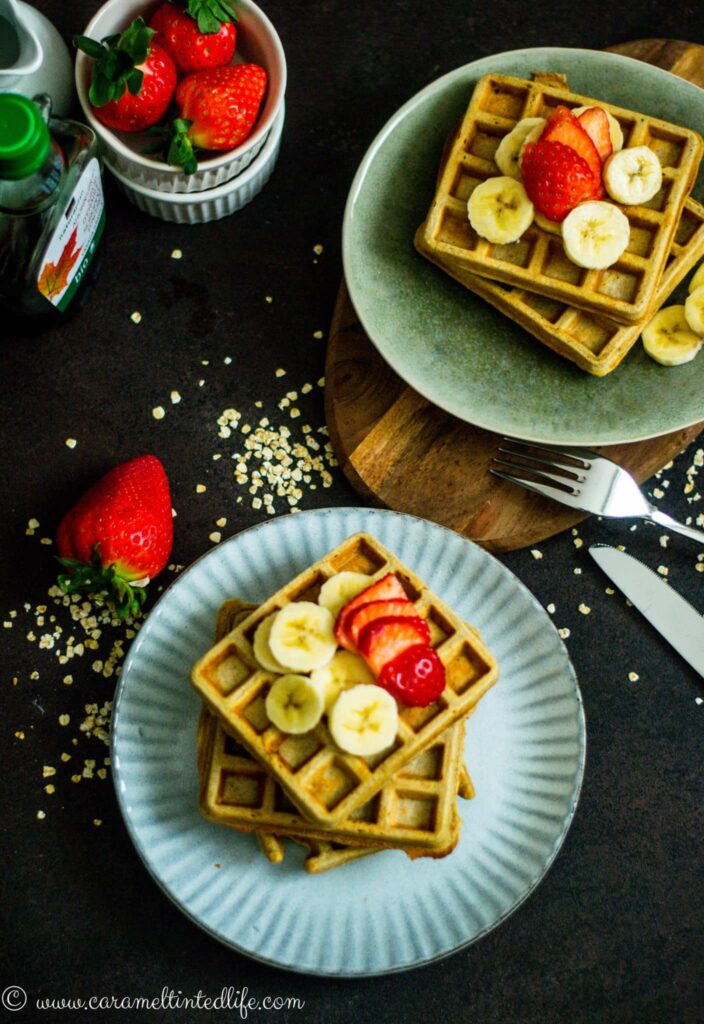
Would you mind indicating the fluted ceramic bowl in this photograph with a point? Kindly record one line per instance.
(257, 43)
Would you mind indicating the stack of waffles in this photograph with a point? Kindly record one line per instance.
(339, 806)
(591, 317)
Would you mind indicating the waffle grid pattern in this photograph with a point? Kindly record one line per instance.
(324, 783)
(595, 343)
(624, 292)
(414, 810)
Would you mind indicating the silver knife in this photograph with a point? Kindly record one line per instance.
(663, 607)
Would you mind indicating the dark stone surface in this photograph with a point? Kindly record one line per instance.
(614, 933)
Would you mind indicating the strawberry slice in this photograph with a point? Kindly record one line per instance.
(416, 677)
(384, 639)
(378, 610)
(388, 588)
(556, 178)
(596, 125)
(564, 127)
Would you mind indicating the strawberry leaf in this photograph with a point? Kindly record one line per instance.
(210, 15)
(101, 581)
(117, 59)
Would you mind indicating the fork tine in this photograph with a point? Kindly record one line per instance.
(541, 474)
(581, 454)
(571, 471)
(545, 489)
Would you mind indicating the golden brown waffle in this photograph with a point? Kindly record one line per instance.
(595, 343)
(414, 811)
(624, 292)
(326, 784)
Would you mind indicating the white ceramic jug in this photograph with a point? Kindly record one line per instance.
(33, 56)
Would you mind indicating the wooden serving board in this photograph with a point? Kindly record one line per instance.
(402, 452)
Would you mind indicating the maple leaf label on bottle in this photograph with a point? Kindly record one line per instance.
(72, 245)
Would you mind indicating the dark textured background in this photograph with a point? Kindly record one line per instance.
(614, 933)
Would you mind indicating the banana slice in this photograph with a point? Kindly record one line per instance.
(698, 279)
(341, 588)
(595, 234)
(546, 224)
(262, 651)
(301, 636)
(364, 720)
(294, 704)
(499, 210)
(615, 130)
(633, 176)
(668, 338)
(345, 670)
(694, 310)
(508, 152)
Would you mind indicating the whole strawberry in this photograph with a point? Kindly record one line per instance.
(556, 178)
(118, 536)
(217, 110)
(133, 78)
(197, 34)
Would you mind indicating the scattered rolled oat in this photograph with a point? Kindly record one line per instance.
(564, 632)
(633, 677)
(536, 553)
(663, 570)
(222, 521)
(215, 536)
(318, 250)
(136, 317)
(97, 822)
(269, 298)
(551, 609)
(318, 335)
(280, 372)
(41, 815)
(158, 412)
(584, 609)
(175, 397)
(200, 488)
(176, 254)
(227, 360)
(64, 719)
(71, 442)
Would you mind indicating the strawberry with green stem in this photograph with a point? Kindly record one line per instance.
(197, 34)
(119, 535)
(217, 110)
(133, 78)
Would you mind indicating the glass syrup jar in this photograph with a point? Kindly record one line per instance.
(52, 210)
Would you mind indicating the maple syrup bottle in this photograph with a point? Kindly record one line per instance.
(52, 211)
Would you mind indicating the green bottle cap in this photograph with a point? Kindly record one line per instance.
(24, 137)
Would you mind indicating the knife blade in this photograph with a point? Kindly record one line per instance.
(673, 617)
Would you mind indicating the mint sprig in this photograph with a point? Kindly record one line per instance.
(117, 59)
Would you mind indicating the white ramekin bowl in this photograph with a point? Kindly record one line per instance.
(212, 203)
(257, 42)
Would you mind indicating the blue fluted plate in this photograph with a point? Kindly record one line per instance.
(452, 346)
(525, 750)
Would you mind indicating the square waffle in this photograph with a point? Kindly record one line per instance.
(414, 811)
(323, 854)
(595, 343)
(624, 292)
(323, 782)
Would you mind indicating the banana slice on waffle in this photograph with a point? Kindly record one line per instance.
(364, 720)
(294, 704)
(499, 210)
(301, 636)
(633, 176)
(595, 234)
(508, 153)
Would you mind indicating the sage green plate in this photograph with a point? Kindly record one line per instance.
(453, 347)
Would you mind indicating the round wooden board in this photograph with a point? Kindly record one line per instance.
(399, 451)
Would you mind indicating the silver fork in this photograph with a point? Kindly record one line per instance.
(582, 479)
